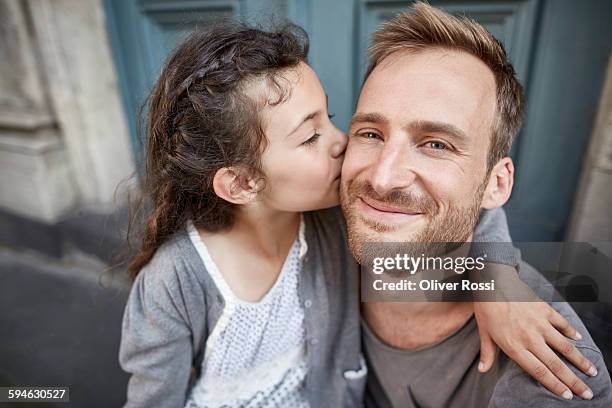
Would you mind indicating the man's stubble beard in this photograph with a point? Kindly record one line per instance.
(455, 226)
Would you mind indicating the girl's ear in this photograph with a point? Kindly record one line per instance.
(227, 185)
(500, 184)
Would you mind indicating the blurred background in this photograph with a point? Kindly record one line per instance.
(74, 74)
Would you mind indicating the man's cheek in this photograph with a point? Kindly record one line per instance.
(356, 160)
(348, 168)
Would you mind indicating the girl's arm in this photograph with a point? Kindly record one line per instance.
(528, 332)
(156, 347)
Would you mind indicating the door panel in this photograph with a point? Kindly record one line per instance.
(165, 23)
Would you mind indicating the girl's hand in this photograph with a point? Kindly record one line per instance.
(529, 332)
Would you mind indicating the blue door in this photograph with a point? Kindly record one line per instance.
(560, 50)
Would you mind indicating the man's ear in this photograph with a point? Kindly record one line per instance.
(499, 186)
(229, 184)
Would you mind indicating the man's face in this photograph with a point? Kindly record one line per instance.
(415, 164)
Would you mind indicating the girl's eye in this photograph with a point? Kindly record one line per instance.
(331, 115)
(312, 139)
(436, 145)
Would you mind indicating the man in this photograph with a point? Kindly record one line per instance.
(428, 149)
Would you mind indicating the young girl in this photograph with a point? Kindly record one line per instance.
(245, 292)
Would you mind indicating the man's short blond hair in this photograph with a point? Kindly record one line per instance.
(424, 27)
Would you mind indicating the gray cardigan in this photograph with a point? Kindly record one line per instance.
(174, 305)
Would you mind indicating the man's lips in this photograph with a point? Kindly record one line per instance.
(387, 208)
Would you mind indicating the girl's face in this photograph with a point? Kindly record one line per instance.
(303, 159)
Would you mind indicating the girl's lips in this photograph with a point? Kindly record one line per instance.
(386, 208)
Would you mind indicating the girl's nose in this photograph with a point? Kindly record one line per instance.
(339, 145)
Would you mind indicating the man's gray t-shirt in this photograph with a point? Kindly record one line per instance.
(446, 374)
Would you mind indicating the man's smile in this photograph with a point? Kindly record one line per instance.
(385, 212)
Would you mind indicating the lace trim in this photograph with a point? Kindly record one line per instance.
(214, 391)
(302, 237)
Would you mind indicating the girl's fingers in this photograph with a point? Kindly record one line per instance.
(570, 352)
(561, 372)
(488, 352)
(540, 372)
(563, 325)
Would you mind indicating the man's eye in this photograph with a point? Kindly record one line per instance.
(370, 135)
(312, 139)
(436, 145)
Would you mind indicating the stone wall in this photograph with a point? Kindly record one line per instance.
(64, 141)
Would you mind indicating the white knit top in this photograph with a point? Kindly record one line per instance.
(255, 355)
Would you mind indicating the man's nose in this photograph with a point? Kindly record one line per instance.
(392, 170)
(339, 145)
